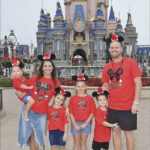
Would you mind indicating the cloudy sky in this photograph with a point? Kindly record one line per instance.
(23, 17)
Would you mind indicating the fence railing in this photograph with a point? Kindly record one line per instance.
(98, 82)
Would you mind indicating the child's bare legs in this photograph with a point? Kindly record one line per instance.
(54, 147)
(62, 148)
(83, 141)
(28, 106)
(76, 138)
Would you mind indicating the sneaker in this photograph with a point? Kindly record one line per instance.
(25, 117)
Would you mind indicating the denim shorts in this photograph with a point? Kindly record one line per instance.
(26, 98)
(86, 130)
(56, 138)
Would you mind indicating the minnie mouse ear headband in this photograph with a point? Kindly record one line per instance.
(62, 91)
(15, 62)
(114, 37)
(99, 92)
(46, 56)
(80, 77)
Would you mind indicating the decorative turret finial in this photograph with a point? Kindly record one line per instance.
(59, 15)
(111, 2)
(42, 4)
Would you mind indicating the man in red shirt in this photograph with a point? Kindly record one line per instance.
(122, 77)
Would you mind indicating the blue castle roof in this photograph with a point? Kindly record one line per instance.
(143, 49)
(59, 15)
(99, 13)
(43, 19)
(23, 48)
(119, 26)
(112, 15)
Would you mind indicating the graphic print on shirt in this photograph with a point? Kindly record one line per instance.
(115, 79)
(82, 105)
(22, 80)
(42, 90)
(54, 115)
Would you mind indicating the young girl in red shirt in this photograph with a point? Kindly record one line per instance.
(81, 109)
(20, 83)
(102, 131)
(58, 120)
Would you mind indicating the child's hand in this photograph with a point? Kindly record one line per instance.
(116, 126)
(77, 127)
(83, 126)
(64, 138)
(31, 87)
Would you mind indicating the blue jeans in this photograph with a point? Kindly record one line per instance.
(56, 138)
(37, 123)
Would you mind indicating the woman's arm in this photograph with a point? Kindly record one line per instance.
(23, 86)
(20, 94)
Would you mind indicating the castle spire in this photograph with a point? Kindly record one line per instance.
(43, 19)
(59, 15)
(99, 13)
(111, 15)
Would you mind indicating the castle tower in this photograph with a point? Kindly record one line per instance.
(42, 31)
(119, 29)
(59, 33)
(111, 28)
(130, 35)
(99, 33)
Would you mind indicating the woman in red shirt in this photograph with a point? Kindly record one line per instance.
(44, 86)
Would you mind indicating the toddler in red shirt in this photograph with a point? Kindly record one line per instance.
(20, 84)
(58, 120)
(81, 109)
(102, 131)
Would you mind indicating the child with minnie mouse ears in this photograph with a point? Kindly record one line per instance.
(81, 110)
(102, 131)
(58, 121)
(20, 84)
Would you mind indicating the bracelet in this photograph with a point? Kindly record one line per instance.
(113, 127)
(135, 102)
(86, 122)
(65, 134)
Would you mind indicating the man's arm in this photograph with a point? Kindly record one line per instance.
(23, 86)
(138, 88)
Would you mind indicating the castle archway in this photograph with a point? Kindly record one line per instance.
(79, 58)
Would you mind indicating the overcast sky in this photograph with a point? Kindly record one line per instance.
(23, 17)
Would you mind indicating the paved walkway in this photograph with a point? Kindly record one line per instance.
(10, 116)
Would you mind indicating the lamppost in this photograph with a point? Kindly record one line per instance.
(12, 40)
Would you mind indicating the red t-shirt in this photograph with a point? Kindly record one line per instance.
(81, 107)
(42, 92)
(57, 118)
(101, 133)
(17, 82)
(122, 92)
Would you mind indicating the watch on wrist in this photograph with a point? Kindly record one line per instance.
(135, 102)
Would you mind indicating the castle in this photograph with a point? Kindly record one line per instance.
(77, 41)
